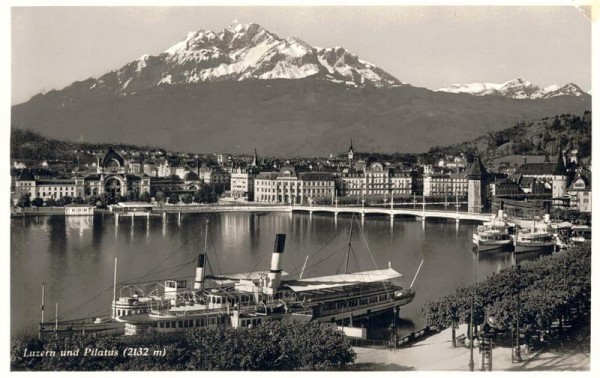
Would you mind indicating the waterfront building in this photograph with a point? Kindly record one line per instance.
(48, 187)
(374, 180)
(242, 183)
(553, 175)
(439, 185)
(504, 187)
(113, 176)
(351, 184)
(580, 193)
(289, 187)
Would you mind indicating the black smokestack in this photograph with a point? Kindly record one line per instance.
(279, 243)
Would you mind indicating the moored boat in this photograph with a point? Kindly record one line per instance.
(537, 238)
(494, 235)
(242, 300)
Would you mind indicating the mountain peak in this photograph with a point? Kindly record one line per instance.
(242, 52)
(518, 88)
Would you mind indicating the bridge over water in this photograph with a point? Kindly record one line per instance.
(422, 214)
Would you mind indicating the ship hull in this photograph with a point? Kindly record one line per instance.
(492, 246)
(533, 247)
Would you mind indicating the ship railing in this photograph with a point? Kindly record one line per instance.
(388, 302)
(72, 322)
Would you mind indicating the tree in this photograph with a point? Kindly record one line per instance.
(550, 288)
(78, 200)
(37, 202)
(51, 202)
(187, 199)
(273, 345)
(174, 199)
(24, 200)
(64, 200)
(145, 197)
(160, 197)
(133, 195)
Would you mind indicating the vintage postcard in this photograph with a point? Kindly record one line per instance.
(337, 187)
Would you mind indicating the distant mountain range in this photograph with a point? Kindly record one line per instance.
(245, 87)
(517, 88)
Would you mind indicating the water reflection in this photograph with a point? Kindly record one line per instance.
(75, 257)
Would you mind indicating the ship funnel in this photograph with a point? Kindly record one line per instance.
(275, 272)
(546, 212)
(501, 210)
(199, 279)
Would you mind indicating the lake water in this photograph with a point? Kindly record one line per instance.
(74, 256)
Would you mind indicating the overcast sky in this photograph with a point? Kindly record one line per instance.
(424, 46)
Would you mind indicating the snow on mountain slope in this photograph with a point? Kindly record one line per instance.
(242, 52)
(516, 88)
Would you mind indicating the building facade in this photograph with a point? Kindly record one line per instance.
(580, 194)
(289, 187)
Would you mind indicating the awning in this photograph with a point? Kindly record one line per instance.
(327, 282)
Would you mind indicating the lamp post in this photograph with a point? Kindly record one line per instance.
(518, 347)
(471, 361)
(471, 324)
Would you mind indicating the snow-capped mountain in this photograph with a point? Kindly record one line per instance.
(242, 52)
(517, 88)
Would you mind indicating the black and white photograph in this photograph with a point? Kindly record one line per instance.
(299, 187)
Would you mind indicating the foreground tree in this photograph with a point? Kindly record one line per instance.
(274, 345)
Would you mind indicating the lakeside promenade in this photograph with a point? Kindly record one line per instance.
(435, 353)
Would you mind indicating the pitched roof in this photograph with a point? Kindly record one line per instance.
(536, 169)
(26, 175)
(267, 175)
(560, 169)
(477, 170)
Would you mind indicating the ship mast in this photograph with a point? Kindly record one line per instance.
(303, 267)
(349, 244)
(43, 298)
(206, 237)
(114, 306)
(416, 274)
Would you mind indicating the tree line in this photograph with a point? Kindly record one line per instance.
(273, 345)
(539, 293)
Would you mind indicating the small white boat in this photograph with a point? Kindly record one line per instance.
(534, 240)
(493, 235)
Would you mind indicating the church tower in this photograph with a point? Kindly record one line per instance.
(350, 156)
(477, 187)
(255, 160)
